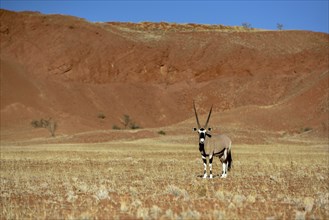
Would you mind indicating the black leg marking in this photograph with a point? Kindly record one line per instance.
(210, 165)
(229, 160)
(205, 166)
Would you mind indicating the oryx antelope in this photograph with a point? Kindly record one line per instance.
(213, 146)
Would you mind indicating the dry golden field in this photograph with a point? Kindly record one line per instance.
(159, 179)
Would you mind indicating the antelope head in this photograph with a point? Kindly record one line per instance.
(202, 131)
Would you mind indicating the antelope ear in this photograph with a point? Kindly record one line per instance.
(209, 129)
(194, 129)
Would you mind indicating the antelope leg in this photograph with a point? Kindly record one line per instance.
(224, 174)
(210, 165)
(205, 166)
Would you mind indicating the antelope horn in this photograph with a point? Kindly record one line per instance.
(208, 118)
(196, 116)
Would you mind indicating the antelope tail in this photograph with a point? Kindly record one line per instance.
(229, 158)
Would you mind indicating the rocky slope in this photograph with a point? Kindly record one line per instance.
(74, 71)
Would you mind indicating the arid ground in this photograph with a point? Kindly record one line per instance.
(159, 178)
(121, 96)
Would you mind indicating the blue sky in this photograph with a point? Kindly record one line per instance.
(294, 15)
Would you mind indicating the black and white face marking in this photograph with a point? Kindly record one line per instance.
(202, 134)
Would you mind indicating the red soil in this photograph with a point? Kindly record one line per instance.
(72, 70)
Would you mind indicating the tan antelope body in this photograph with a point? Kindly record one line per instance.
(213, 146)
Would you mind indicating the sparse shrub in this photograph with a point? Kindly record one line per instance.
(82, 187)
(136, 203)
(279, 26)
(36, 124)
(220, 195)
(155, 212)
(190, 214)
(127, 122)
(71, 196)
(133, 191)
(308, 203)
(177, 192)
(162, 132)
(246, 25)
(49, 124)
(102, 194)
(238, 200)
(306, 129)
(133, 125)
(174, 190)
(217, 214)
(124, 207)
(101, 115)
(142, 213)
(169, 214)
(201, 190)
(52, 128)
(251, 199)
(115, 127)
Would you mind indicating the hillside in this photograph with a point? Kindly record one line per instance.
(72, 71)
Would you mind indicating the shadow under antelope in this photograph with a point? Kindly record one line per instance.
(213, 146)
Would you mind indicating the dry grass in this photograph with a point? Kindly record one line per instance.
(151, 179)
(176, 27)
(149, 31)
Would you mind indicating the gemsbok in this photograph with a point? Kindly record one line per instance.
(213, 146)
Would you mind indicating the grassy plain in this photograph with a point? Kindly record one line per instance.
(158, 179)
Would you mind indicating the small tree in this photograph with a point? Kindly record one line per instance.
(125, 121)
(49, 124)
(52, 126)
(279, 26)
(246, 25)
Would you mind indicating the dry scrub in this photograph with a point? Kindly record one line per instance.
(153, 180)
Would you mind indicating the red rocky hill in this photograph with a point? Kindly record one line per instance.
(73, 71)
